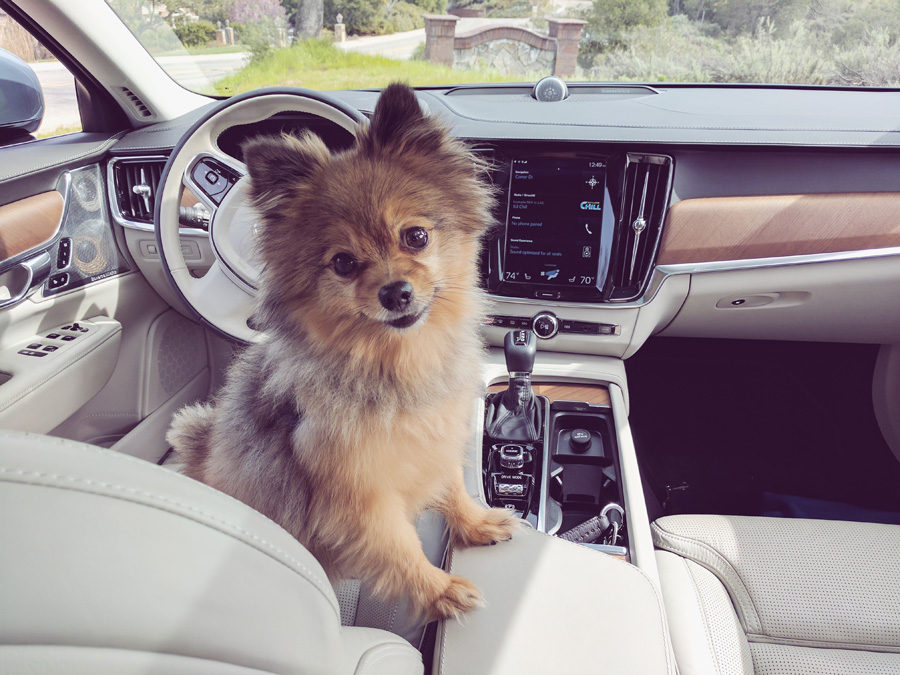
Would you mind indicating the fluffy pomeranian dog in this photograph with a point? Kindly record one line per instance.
(353, 413)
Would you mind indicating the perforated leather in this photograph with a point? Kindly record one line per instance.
(802, 580)
(769, 659)
(783, 597)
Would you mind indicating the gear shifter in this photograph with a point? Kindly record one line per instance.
(515, 414)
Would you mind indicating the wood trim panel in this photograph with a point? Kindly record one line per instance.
(27, 223)
(188, 198)
(739, 228)
(563, 391)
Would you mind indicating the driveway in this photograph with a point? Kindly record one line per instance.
(193, 71)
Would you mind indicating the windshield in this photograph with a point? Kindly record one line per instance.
(224, 47)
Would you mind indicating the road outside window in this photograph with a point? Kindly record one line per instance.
(61, 114)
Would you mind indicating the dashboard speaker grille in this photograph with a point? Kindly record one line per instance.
(136, 182)
(645, 199)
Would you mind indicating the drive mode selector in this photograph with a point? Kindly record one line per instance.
(545, 325)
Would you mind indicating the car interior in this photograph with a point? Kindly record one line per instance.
(691, 382)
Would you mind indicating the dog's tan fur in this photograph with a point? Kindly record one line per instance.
(338, 426)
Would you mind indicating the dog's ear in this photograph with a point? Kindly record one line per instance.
(279, 164)
(399, 124)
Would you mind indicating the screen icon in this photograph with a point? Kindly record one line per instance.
(573, 279)
(586, 251)
(587, 228)
(593, 182)
(549, 275)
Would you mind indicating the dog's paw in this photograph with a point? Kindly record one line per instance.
(459, 597)
(493, 526)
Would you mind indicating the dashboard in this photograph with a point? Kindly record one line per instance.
(624, 212)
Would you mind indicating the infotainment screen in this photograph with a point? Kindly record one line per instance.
(554, 221)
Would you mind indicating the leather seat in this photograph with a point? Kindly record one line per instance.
(769, 595)
(109, 564)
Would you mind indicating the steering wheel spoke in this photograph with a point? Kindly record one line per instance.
(225, 297)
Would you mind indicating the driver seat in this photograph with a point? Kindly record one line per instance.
(110, 564)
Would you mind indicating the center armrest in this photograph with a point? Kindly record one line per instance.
(553, 607)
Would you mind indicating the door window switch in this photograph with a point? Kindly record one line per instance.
(31, 352)
(69, 338)
(53, 336)
(34, 345)
(50, 348)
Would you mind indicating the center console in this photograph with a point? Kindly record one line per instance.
(556, 450)
(554, 463)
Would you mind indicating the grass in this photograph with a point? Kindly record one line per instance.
(317, 64)
(58, 131)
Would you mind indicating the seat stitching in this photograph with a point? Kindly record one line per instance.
(822, 644)
(719, 573)
(706, 619)
(264, 543)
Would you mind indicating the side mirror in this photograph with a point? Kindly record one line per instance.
(21, 98)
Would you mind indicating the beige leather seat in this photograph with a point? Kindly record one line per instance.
(780, 596)
(109, 564)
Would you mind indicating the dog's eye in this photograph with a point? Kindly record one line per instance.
(344, 264)
(416, 238)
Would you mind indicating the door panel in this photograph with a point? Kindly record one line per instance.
(29, 223)
(139, 361)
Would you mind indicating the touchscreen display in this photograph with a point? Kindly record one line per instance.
(553, 223)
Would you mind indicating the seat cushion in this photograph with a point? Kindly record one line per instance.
(110, 554)
(787, 595)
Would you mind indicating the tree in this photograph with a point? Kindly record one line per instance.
(306, 16)
(608, 19)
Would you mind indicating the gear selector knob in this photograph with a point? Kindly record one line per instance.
(519, 347)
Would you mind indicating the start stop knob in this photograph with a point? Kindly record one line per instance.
(545, 325)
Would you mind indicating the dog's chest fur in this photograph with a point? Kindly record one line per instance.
(298, 437)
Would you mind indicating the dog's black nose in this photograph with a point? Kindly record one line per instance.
(396, 295)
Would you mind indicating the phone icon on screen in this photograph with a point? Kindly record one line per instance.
(588, 228)
(527, 276)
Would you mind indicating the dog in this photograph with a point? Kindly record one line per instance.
(352, 414)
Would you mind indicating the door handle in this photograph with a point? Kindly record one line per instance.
(17, 282)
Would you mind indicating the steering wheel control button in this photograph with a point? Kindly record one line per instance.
(213, 179)
(545, 325)
(580, 440)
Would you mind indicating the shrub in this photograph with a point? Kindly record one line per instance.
(159, 38)
(195, 34)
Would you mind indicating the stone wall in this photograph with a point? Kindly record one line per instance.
(508, 49)
(508, 55)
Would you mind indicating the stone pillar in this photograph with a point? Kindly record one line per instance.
(440, 29)
(340, 29)
(567, 33)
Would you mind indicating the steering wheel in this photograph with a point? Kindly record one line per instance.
(224, 297)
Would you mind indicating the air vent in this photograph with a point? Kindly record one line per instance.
(135, 183)
(136, 103)
(645, 198)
